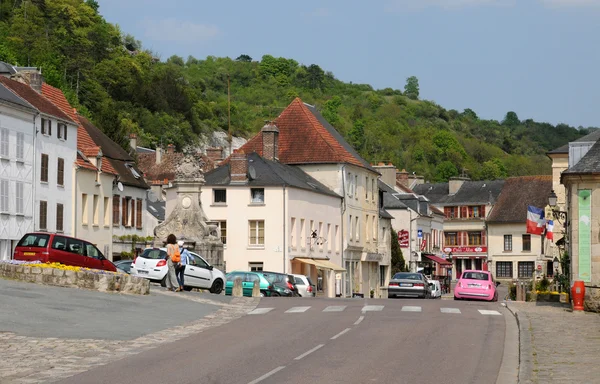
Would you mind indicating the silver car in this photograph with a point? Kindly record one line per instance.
(305, 286)
(409, 284)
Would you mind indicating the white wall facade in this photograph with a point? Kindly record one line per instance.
(16, 172)
(50, 191)
(132, 226)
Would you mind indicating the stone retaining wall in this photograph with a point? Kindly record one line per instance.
(103, 282)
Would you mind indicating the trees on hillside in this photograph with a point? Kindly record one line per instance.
(411, 89)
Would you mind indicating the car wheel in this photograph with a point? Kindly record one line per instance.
(185, 287)
(495, 298)
(456, 298)
(262, 294)
(163, 282)
(275, 294)
(217, 287)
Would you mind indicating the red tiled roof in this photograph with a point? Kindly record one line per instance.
(91, 151)
(84, 163)
(40, 102)
(304, 140)
(158, 173)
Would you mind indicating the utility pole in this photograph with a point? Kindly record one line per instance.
(229, 116)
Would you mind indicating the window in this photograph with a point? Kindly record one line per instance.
(4, 196)
(138, 213)
(257, 232)
(451, 212)
(349, 184)
(20, 203)
(507, 243)
(549, 268)
(356, 186)
(116, 209)
(473, 211)
(257, 195)
(367, 222)
(373, 190)
(59, 243)
(59, 217)
(357, 228)
(60, 174)
(374, 226)
(4, 142)
(293, 238)
(255, 267)
(61, 131)
(75, 246)
(20, 145)
(44, 165)
(219, 196)
(474, 238)
(328, 235)
(106, 211)
(84, 208)
(302, 233)
(320, 241)
(526, 242)
(91, 250)
(366, 187)
(95, 207)
(337, 237)
(382, 274)
(350, 231)
(133, 213)
(223, 229)
(451, 238)
(46, 127)
(43, 215)
(526, 268)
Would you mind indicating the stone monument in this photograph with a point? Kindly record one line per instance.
(188, 221)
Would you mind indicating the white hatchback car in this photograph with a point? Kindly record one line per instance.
(152, 265)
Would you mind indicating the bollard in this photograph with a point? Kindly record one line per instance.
(237, 291)
(578, 295)
(256, 289)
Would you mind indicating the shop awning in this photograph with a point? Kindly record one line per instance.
(438, 260)
(321, 263)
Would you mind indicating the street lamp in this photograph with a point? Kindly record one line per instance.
(555, 265)
(561, 216)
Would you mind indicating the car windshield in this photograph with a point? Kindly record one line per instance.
(274, 277)
(407, 276)
(475, 276)
(309, 280)
(34, 240)
(154, 254)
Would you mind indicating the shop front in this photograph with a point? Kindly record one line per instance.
(467, 258)
(322, 272)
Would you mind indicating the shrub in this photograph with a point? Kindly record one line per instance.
(542, 285)
(512, 290)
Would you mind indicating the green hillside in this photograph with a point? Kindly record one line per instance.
(124, 88)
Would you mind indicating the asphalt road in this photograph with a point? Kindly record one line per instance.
(331, 341)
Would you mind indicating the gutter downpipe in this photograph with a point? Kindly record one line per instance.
(284, 232)
(33, 204)
(343, 202)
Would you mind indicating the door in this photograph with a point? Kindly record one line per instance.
(75, 252)
(94, 258)
(248, 283)
(58, 251)
(196, 273)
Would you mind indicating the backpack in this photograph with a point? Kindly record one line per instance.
(176, 256)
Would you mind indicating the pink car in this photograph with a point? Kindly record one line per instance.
(478, 285)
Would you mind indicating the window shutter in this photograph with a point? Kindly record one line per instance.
(447, 211)
(133, 216)
(138, 220)
(65, 128)
(465, 238)
(116, 209)
(482, 214)
(463, 211)
(483, 238)
(124, 213)
(49, 127)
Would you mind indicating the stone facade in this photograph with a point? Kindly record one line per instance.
(103, 282)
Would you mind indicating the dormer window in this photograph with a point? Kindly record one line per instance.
(133, 171)
(46, 127)
(257, 195)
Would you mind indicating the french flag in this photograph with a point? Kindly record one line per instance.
(549, 230)
(535, 220)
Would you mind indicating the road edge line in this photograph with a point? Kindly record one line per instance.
(509, 368)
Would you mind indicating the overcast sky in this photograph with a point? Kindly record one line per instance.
(539, 58)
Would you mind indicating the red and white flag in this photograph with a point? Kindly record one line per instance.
(535, 220)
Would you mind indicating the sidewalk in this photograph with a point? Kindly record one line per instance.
(556, 344)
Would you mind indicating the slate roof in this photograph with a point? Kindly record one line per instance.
(517, 193)
(589, 163)
(305, 137)
(471, 192)
(590, 137)
(390, 201)
(7, 68)
(38, 101)
(156, 209)
(9, 96)
(119, 161)
(270, 173)
(385, 214)
(139, 149)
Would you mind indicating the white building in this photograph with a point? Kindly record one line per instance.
(55, 146)
(16, 170)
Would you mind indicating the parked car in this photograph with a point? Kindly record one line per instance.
(124, 265)
(479, 285)
(58, 248)
(283, 280)
(436, 289)
(152, 265)
(248, 278)
(305, 286)
(409, 284)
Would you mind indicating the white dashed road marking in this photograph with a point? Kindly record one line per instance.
(487, 312)
(372, 308)
(360, 319)
(449, 310)
(335, 308)
(309, 352)
(267, 375)
(408, 308)
(260, 311)
(341, 333)
(297, 309)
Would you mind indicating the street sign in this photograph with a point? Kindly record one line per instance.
(420, 233)
(539, 267)
(403, 239)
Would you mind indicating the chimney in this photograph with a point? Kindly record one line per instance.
(402, 177)
(171, 148)
(33, 78)
(214, 153)
(133, 141)
(270, 137)
(388, 173)
(238, 167)
(158, 155)
(455, 183)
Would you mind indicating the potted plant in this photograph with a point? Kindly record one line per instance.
(372, 293)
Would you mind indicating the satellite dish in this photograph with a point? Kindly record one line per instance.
(252, 172)
(151, 197)
(120, 186)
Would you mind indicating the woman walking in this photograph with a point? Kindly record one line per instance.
(173, 258)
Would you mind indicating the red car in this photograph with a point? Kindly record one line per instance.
(478, 285)
(57, 248)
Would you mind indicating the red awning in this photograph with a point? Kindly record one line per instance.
(438, 260)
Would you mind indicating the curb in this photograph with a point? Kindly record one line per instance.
(510, 367)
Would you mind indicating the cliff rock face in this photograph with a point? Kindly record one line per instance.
(220, 139)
